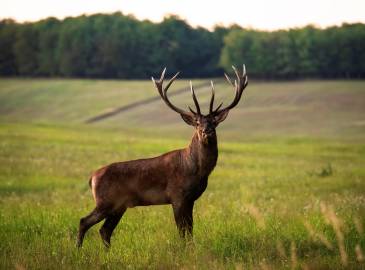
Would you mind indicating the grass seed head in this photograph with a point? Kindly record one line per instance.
(255, 213)
(293, 255)
(317, 236)
(280, 249)
(358, 226)
(359, 253)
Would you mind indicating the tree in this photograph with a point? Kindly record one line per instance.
(26, 50)
(8, 64)
(120, 46)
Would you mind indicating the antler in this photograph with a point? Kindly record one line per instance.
(239, 85)
(163, 90)
(211, 105)
(195, 100)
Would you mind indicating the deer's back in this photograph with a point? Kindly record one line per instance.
(139, 182)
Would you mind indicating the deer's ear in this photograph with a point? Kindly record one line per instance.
(221, 116)
(190, 120)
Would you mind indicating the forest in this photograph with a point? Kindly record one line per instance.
(120, 46)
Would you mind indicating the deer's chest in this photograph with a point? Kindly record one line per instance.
(194, 189)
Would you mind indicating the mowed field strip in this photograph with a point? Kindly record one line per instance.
(288, 190)
(318, 108)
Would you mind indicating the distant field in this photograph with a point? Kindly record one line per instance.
(304, 108)
(288, 191)
(68, 101)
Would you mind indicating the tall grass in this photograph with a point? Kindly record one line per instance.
(263, 208)
(288, 191)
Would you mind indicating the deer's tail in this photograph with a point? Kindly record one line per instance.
(91, 178)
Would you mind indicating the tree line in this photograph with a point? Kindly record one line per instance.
(119, 46)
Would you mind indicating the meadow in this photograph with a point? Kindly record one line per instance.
(288, 191)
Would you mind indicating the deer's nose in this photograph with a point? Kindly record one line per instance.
(207, 132)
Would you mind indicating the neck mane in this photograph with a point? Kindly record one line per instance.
(203, 156)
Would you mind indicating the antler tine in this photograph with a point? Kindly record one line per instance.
(163, 75)
(163, 90)
(239, 85)
(195, 100)
(169, 83)
(220, 105)
(228, 79)
(211, 105)
(236, 72)
(156, 84)
(244, 75)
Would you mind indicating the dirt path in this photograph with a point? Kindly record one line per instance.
(133, 105)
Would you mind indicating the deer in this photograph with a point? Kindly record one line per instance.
(178, 177)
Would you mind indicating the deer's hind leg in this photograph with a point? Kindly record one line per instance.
(109, 225)
(97, 215)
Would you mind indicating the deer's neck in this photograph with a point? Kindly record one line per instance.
(203, 156)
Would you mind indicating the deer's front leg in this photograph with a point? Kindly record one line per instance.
(183, 213)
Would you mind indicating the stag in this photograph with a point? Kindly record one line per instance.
(178, 177)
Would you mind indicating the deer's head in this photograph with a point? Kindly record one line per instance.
(204, 124)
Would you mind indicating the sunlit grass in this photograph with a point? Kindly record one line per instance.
(287, 193)
(254, 214)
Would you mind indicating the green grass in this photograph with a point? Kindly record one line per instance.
(270, 180)
(68, 101)
(320, 109)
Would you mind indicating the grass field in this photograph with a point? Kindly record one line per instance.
(288, 191)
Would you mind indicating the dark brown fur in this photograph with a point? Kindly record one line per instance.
(178, 177)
